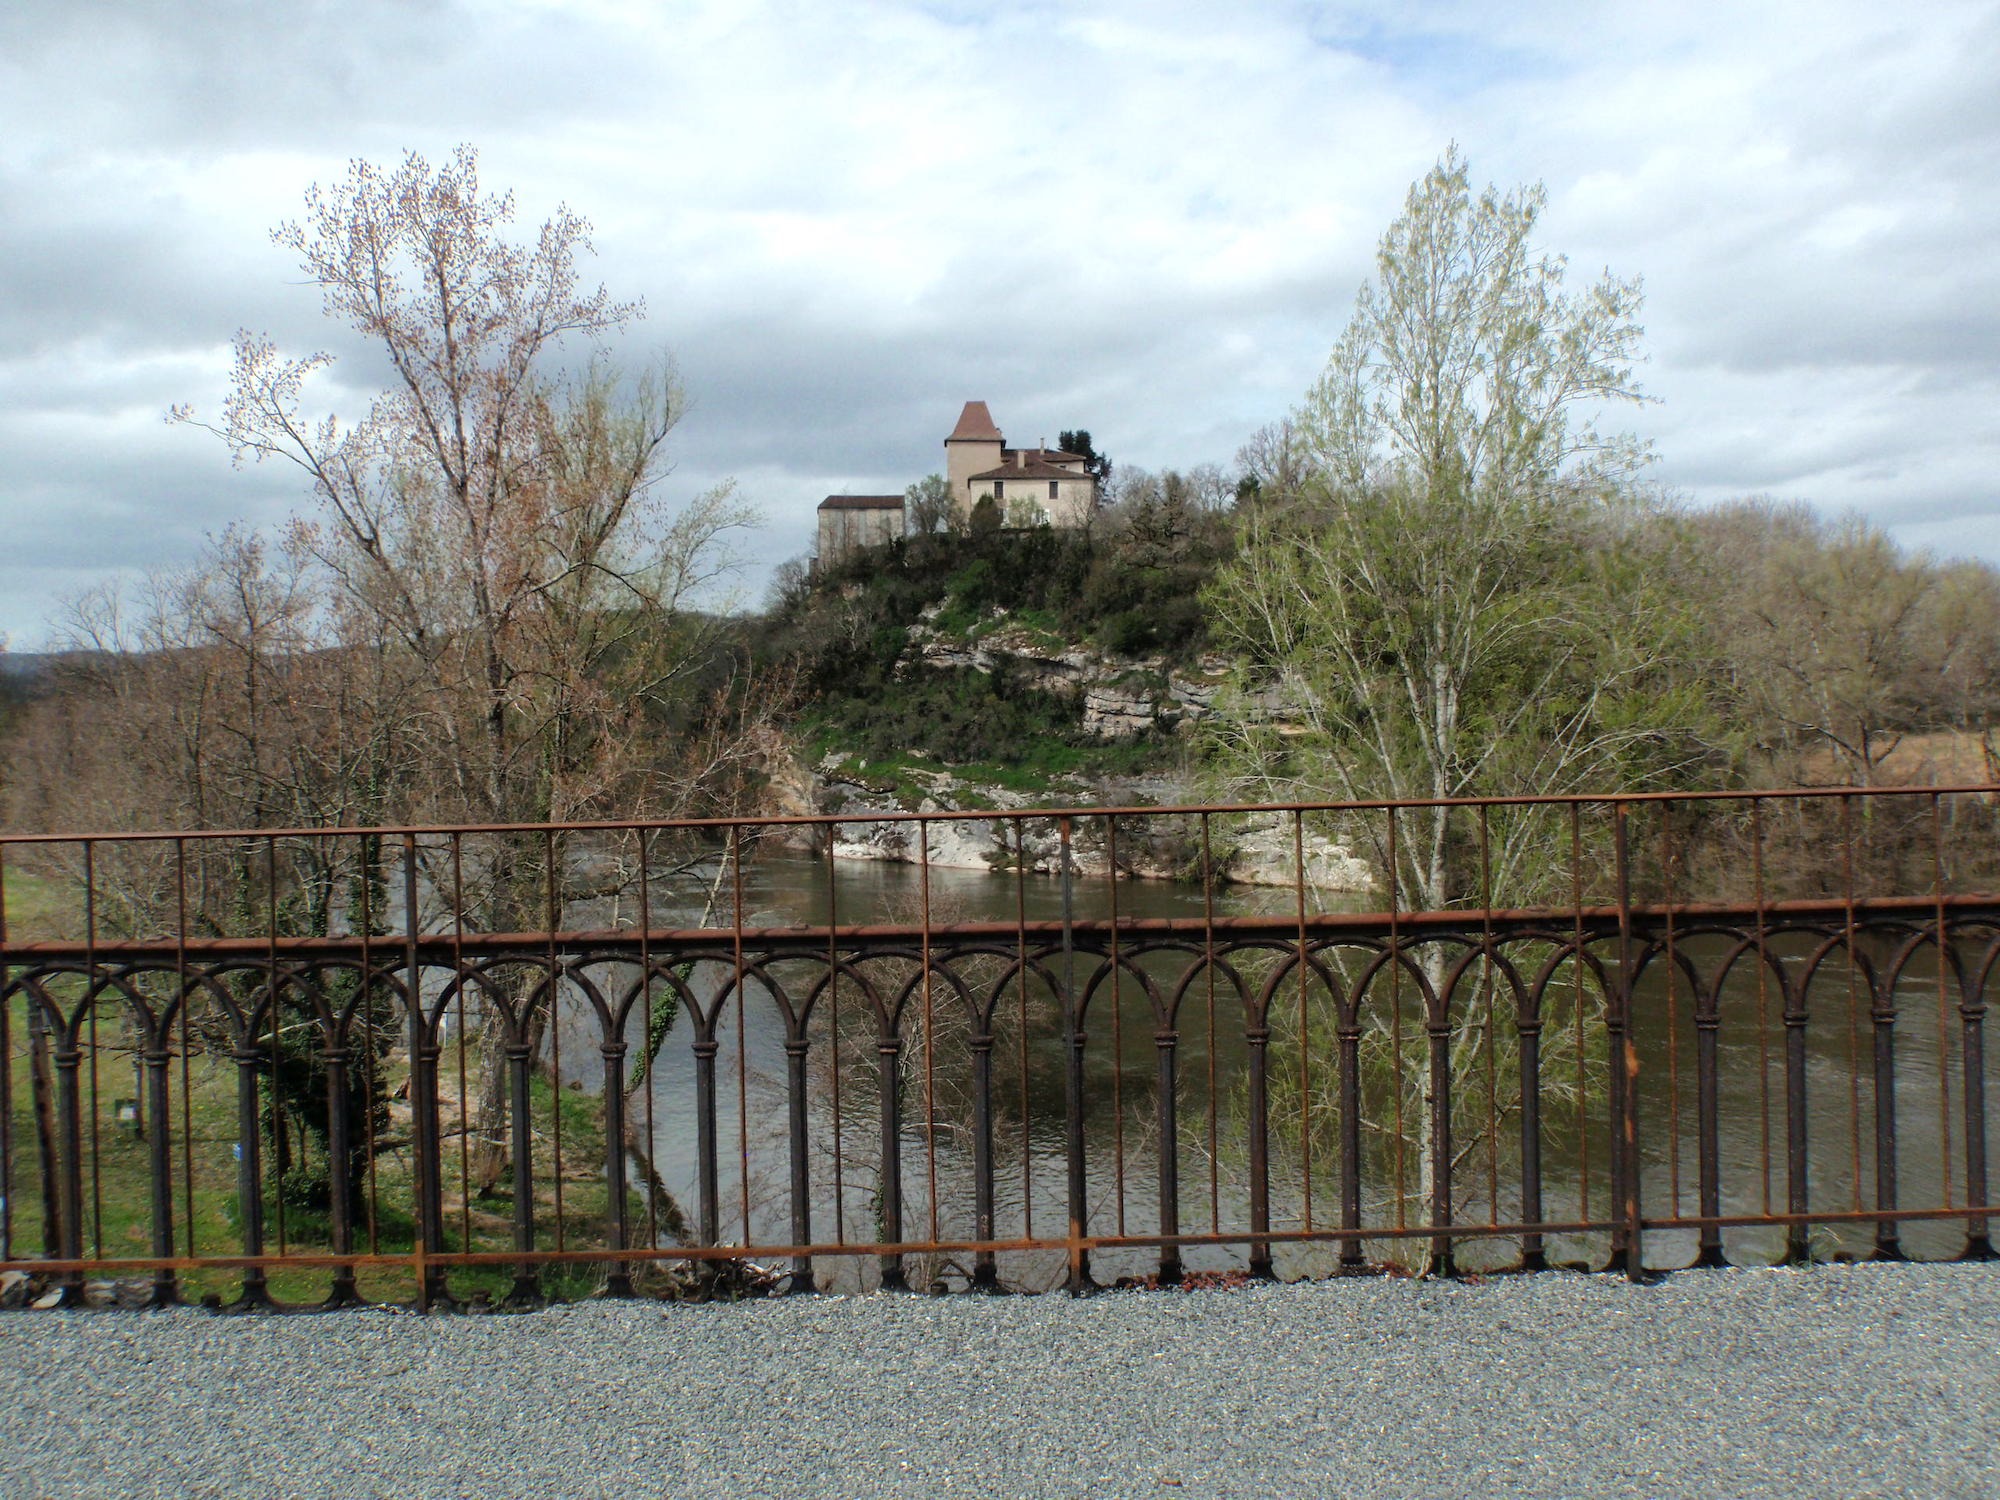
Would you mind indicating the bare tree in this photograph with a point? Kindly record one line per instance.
(493, 539)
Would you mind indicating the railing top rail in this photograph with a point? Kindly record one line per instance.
(812, 939)
(823, 820)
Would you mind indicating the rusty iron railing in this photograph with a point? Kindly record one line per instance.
(458, 1065)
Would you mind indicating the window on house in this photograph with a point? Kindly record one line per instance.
(999, 489)
(1052, 489)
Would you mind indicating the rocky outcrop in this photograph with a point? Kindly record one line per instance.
(1252, 850)
(1122, 697)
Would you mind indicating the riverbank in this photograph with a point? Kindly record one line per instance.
(1850, 1380)
(1257, 849)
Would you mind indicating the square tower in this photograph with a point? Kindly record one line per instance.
(973, 447)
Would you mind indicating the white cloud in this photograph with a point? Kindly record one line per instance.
(1145, 219)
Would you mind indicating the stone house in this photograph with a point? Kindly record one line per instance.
(1032, 486)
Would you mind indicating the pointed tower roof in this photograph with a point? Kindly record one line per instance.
(975, 424)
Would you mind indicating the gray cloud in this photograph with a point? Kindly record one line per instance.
(1144, 219)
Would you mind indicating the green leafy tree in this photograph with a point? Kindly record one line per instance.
(1456, 601)
(1096, 464)
(1457, 590)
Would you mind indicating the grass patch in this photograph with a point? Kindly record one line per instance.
(39, 908)
(571, 1205)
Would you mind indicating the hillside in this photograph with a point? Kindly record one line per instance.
(1038, 662)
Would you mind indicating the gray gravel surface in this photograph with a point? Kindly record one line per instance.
(1840, 1381)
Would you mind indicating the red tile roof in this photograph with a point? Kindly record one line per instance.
(1032, 467)
(975, 424)
(862, 502)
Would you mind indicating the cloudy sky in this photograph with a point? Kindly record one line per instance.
(1147, 219)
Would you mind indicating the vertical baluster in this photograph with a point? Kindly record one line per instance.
(371, 856)
(551, 919)
(280, 1140)
(1708, 1121)
(930, 1035)
(1079, 1207)
(742, 1002)
(1256, 1040)
(1798, 1239)
(649, 1064)
(797, 1047)
(708, 1168)
(527, 1288)
(250, 1171)
(458, 990)
(1882, 1012)
(1438, 1101)
(1939, 934)
(1304, 1020)
(1208, 978)
(1438, 1029)
(334, 1057)
(1117, 1033)
(888, 1052)
(69, 1062)
(1972, 1017)
(1166, 1042)
(617, 1214)
(834, 1035)
(1624, 1055)
(6, 1077)
(93, 996)
(431, 1289)
(985, 1269)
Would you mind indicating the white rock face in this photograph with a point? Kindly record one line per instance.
(1123, 697)
(1258, 852)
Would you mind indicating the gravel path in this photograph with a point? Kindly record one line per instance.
(1848, 1381)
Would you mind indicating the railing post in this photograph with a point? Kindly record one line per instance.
(1708, 1124)
(255, 1292)
(618, 1276)
(801, 1278)
(1624, 1055)
(1349, 1034)
(1080, 1280)
(69, 1110)
(431, 1288)
(6, 1076)
(1798, 1238)
(1258, 1041)
(707, 1169)
(1534, 1255)
(1972, 1012)
(985, 1266)
(888, 1051)
(1438, 1031)
(339, 1173)
(1882, 1010)
(527, 1288)
(1166, 1044)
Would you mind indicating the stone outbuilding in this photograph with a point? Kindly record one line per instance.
(848, 523)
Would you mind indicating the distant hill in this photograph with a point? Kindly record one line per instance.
(27, 664)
